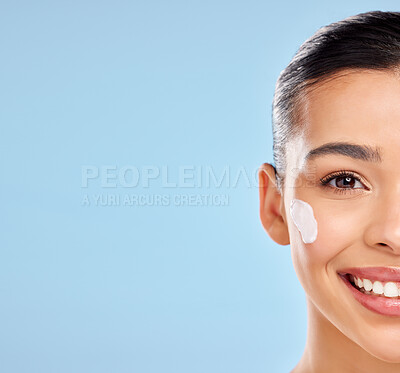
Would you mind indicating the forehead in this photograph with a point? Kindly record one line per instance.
(357, 106)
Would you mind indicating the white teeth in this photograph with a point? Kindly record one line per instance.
(387, 289)
(390, 290)
(377, 287)
(367, 284)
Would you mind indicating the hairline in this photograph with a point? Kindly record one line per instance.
(302, 92)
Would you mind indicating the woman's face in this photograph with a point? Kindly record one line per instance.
(358, 215)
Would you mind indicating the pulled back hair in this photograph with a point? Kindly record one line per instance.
(365, 41)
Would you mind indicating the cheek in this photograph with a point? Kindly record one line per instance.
(324, 231)
(303, 218)
(339, 228)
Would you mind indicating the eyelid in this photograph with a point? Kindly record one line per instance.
(325, 181)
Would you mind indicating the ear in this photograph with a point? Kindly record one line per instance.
(272, 211)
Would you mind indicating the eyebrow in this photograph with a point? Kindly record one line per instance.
(363, 152)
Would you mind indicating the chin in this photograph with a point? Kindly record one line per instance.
(381, 341)
(389, 353)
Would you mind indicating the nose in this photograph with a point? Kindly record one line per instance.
(384, 229)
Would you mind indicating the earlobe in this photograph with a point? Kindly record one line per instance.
(270, 206)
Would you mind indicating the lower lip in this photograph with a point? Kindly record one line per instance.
(382, 305)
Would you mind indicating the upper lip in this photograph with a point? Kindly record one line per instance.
(384, 274)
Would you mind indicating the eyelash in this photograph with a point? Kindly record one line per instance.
(342, 174)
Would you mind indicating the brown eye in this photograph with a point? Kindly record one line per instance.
(345, 182)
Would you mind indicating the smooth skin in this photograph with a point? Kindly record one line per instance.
(357, 226)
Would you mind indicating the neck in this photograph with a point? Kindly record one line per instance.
(328, 350)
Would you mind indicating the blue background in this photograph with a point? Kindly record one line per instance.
(169, 289)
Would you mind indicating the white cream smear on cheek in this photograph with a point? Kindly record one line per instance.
(303, 217)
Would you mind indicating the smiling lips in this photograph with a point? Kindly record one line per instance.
(376, 288)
